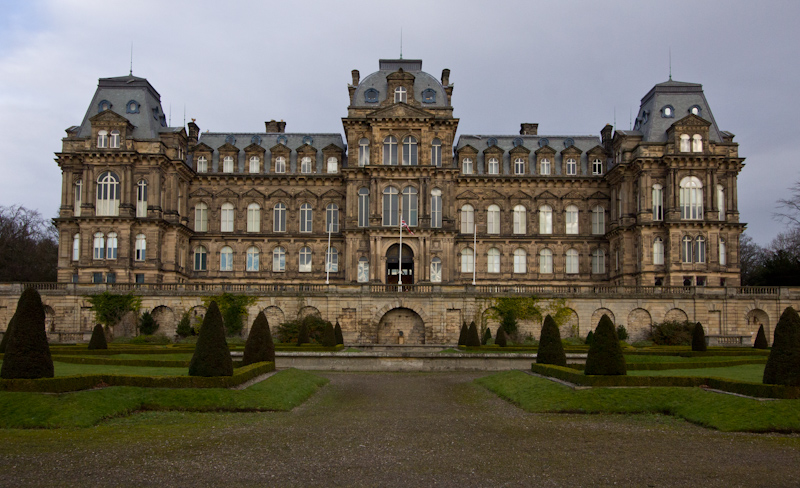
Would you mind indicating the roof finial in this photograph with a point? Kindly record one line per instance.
(670, 64)
(401, 43)
(131, 71)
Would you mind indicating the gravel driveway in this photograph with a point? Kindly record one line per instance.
(397, 429)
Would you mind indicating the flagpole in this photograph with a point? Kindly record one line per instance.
(474, 249)
(328, 256)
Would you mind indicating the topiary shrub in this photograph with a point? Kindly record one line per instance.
(27, 353)
(622, 333)
(289, 332)
(329, 336)
(761, 339)
(500, 339)
(551, 351)
(303, 334)
(147, 324)
(184, 328)
(211, 355)
(605, 354)
(462, 337)
(98, 340)
(259, 346)
(672, 333)
(6, 335)
(337, 330)
(509, 322)
(473, 338)
(783, 364)
(589, 338)
(487, 336)
(699, 338)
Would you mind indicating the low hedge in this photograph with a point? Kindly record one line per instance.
(692, 365)
(156, 363)
(293, 347)
(688, 353)
(743, 388)
(64, 384)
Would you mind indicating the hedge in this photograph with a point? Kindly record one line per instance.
(743, 388)
(693, 365)
(155, 363)
(64, 384)
(293, 347)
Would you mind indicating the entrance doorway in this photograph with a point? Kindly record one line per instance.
(395, 268)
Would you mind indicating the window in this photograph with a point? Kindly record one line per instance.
(436, 153)
(572, 167)
(202, 164)
(226, 259)
(255, 164)
(436, 270)
(201, 217)
(333, 165)
(598, 220)
(363, 270)
(572, 219)
(141, 199)
(658, 203)
(111, 246)
(545, 167)
(97, 277)
(685, 144)
(520, 219)
(410, 206)
(227, 164)
(700, 249)
(252, 259)
(686, 249)
(226, 218)
(697, 143)
(305, 217)
(545, 261)
(597, 167)
(390, 151)
(572, 261)
(115, 139)
(305, 165)
(410, 151)
(466, 166)
(520, 260)
(390, 206)
(545, 219)
(399, 94)
(363, 207)
(76, 210)
(363, 152)
(279, 260)
(371, 95)
(493, 167)
(102, 139)
(668, 112)
(200, 256)
(279, 218)
(332, 260)
(695, 110)
(111, 278)
(723, 255)
(721, 201)
(519, 166)
(493, 260)
(76, 247)
(467, 260)
(132, 107)
(141, 247)
(428, 96)
(436, 208)
(253, 218)
(467, 219)
(691, 198)
(658, 251)
(139, 277)
(493, 219)
(598, 261)
(280, 165)
(305, 260)
(108, 194)
(332, 218)
(99, 246)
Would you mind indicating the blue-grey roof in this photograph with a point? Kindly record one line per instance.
(681, 97)
(377, 81)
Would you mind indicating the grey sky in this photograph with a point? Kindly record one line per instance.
(568, 65)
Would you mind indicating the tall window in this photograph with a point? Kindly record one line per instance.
(597, 167)
(545, 220)
(363, 152)
(685, 144)
(466, 166)
(305, 165)
(363, 270)
(102, 139)
(141, 247)
(410, 206)
(493, 219)
(493, 260)
(686, 249)
(467, 219)
(467, 260)
(545, 261)
(279, 259)
(410, 151)
(333, 165)
(436, 208)
(107, 194)
(399, 94)
(99, 246)
(658, 203)
(226, 218)
(255, 164)
(721, 201)
(202, 164)
(572, 219)
(723, 254)
(363, 207)
(493, 166)
(305, 217)
(545, 167)
(598, 261)
(658, 251)
(254, 217)
(598, 220)
(279, 218)
(436, 270)
(201, 217)
(115, 139)
(520, 260)
(519, 166)
(252, 259)
(697, 143)
(76, 247)
(76, 209)
(436, 153)
(280, 165)
(572, 167)
(141, 198)
(305, 260)
(700, 249)
(520, 219)
(390, 151)
(227, 164)
(391, 206)
(200, 256)
(572, 261)
(332, 260)
(332, 218)
(226, 259)
(691, 198)
(111, 246)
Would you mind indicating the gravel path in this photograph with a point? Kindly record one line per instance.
(397, 429)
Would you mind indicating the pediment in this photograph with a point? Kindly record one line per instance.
(305, 194)
(468, 148)
(692, 120)
(332, 194)
(493, 150)
(521, 195)
(331, 147)
(108, 116)
(468, 195)
(572, 195)
(520, 150)
(399, 111)
(202, 147)
(253, 193)
(495, 195)
(306, 149)
(254, 148)
(228, 148)
(279, 148)
(546, 195)
(545, 150)
(201, 192)
(598, 149)
(279, 194)
(571, 150)
(227, 193)
(598, 196)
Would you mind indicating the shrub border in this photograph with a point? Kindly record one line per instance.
(693, 365)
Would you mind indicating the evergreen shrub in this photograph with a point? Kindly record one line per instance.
(27, 353)
(672, 333)
(337, 330)
(462, 337)
(6, 335)
(487, 336)
(783, 363)
(329, 336)
(259, 346)
(211, 355)
(551, 351)
(147, 324)
(184, 328)
(501, 339)
(98, 340)
(760, 343)
(699, 338)
(589, 338)
(605, 354)
(509, 322)
(288, 332)
(473, 338)
(622, 333)
(303, 335)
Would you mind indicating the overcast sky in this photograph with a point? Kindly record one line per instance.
(568, 65)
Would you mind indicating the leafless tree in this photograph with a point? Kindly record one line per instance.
(28, 245)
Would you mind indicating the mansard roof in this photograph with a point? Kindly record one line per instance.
(242, 140)
(530, 142)
(681, 97)
(377, 81)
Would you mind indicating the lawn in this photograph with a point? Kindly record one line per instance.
(747, 372)
(70, 369)
(635, 358)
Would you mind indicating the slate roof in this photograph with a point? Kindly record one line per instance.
(682, 97)
(377, 80)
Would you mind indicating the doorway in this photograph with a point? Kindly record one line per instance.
(395, 268)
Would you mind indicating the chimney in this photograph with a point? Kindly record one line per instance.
(606, 137)
(273, 126)
(356, 77)
(527, 129)
(445, 77)
(194, 131)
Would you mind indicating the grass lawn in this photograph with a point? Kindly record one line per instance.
(747, 372)
(186, 356)
(634, 358)
(69, 369)
(718, 411)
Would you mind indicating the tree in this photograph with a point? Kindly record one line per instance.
(109, 308)
(303, 334)
(147, 324)
(27, 352)
(338, 331)
(500, 339)
(509, 322)
(259, 346)
(329, 336)
(28, 245)
(184, 328)
(551, 351)
(233, 309)
(6, 335)
(487, 334)
(751, 258)
(589, 338)
(98, 340)
(761, 339)
(783, 363)
(698, 338)
(605, 354)
(473, 338)
(211, 355)
(462, 337)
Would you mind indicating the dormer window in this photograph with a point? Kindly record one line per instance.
(115, 139)
(695, 110)
(333, 165)
(227, 164)
(202, 164)
(667, 111)
(103, 106)
(102, 139)
(399, 94)
(371, 96)
(428, 96)
(544, 167)
(132, 107)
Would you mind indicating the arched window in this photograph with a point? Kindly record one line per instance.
(391, 206)
(691, 197)
(519, 166)
(721, 201)
(399, 94)
(436, 270)
(279, 218)
(305, 217)
(467, 219)
(201, 217)
(200, 255)
(436, 208)
(572, 167)
(545, 167)
(363, 270)
(255, 164)
(597, 167)
(697, 143)
(466, 166)
(390, 151)
(227, 164)
(493, 260)
(598, 261)
(685, 145)
(107, 194)
(332, 218)
(111, 245)
(141, 199)
(252, 259)
(333, 165)
(305, 165)
(76, 247)
(99, 246)
(279, 260)
(686, 249)
(76, 209)
(226, 218)
(658, 203)
(305, 260)
(520, 260)
(493, 219)
(102, 139)
(700, 249)
(410, 206)
(658, 251)
(571, 219)
(280, 165)
(723, 254)
(332, 260)
(520, 219)
(115, 139)
(202, 164)
(254, 217)
(141, 247)
(545, 220)
(410, 151)
(363, 207)
(363, 152)
(226, 259)
(436, 153)
(598, 220)
(467, 260)
(493, 166)
(572, 261)
(545, 261)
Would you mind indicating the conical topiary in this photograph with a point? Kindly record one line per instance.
(698, 338)
(589, 338)
(605, 354)
(337, 330)
(761, 339)
(328, 336)
(259, 346)
(783, 364)
(462, 337)
(487, 334)
(500, 339)
(98, 340)
(551, 351)
(211, 355)
(473, 338)
(303, 335)
(27, 353)
(6, 335)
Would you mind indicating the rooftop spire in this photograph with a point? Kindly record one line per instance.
(401, 43)
(670, 64)
(131, 71)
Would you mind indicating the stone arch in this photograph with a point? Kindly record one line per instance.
(165, 318)
(401, 326)
(275, 317)
(754, 319)
(49, 318)
(196, 316)
(676, 315)
(489, 320)
(398, 303)
(639, 323)
(308, 310)
(598, 314)
(570, 327)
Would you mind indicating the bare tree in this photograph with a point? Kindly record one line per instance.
(751, 259)
(28, 245)
(790, 207)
